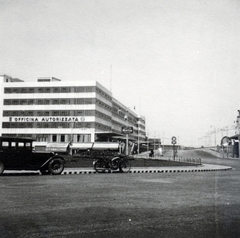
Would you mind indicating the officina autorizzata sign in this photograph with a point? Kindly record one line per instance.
(46, 119)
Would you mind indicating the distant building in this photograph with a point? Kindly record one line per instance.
(51, 110)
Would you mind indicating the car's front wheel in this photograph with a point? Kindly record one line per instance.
(125, 166)
(56, 166)
(1, 167)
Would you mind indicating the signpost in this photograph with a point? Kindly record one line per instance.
(174, 141)
(127, 130)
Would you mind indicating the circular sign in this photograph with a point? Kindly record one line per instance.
(174, 140)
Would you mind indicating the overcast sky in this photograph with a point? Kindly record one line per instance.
(176, 61)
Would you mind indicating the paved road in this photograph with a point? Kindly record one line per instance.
(123, 205)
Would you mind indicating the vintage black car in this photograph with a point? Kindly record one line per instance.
(18, 154)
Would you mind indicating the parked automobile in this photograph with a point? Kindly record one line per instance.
(18, 154)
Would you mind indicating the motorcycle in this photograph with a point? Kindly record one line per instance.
(120, 163)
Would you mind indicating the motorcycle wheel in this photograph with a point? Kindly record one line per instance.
(115, 163)
(124, 167)
(99, 167)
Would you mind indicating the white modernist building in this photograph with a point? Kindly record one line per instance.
(51, 110)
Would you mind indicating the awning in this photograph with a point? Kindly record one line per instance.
(108, 133)
(58, 147)
(123, 138)
(95, 145)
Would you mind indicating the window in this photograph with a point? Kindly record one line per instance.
(63, 101)
(72, 89)
(39, 113)
(39, 101)
(62, 138)
(46, 113)
(30, 101)
(80, 89)
(5, 144)
(46, 102)
(89, 100)
(7, 90)
(64, 90)
(20, 144)
(39, 125)
(54, 138)
(23, 90)
(90, 89)
(40, 90)
(56, 90)
(15, 102)
(31, 90)
(16, 90)
(55, 101)
(55, 113)
(29, 113)
(47, 90)
(21, 113)
(80, 101)
(28, 145)
(6, 113)
(7, 101)
(46, 125)
(79, 113)
(23, 102)
(63, 113)
(84, 138)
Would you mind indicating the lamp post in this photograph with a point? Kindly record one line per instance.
(215, 135)
(138, 139)
(126, 119)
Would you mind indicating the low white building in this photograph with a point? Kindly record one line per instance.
(51, 110)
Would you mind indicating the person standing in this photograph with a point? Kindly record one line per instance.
(160, 151)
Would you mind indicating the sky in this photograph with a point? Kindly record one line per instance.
(176, 61)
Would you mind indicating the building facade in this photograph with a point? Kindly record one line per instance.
(52, 110)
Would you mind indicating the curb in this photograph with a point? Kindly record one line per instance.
(134, 170)
(155, 170)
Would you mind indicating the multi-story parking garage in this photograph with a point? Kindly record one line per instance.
(52, 110)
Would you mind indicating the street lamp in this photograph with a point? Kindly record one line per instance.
(138, 137)
(215, 133)
(126, 119)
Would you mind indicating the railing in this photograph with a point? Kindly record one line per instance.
(195, 161)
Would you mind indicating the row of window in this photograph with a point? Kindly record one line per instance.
(57, 101)
(54, 137)
(87, 89)
(54, 101)
(54, 113)
(24, 90)
(55, 125)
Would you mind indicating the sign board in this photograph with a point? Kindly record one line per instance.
(127, 130)
(174, 140)
(47, 119)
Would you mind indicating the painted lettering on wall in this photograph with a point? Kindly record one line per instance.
(46, 119)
